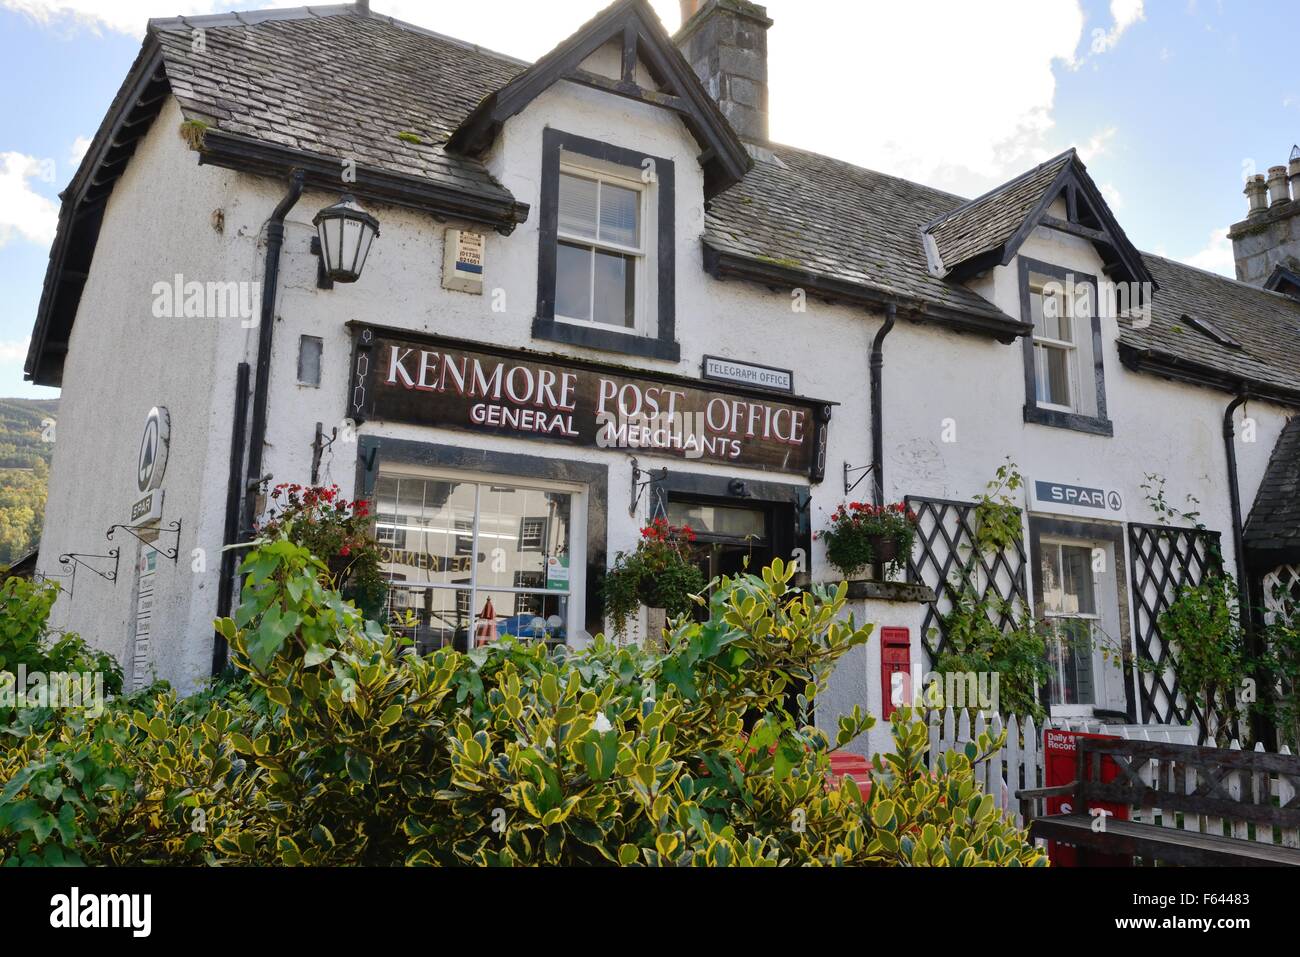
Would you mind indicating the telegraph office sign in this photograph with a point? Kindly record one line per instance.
(1084, 501)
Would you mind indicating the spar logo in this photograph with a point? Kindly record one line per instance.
(75, 909)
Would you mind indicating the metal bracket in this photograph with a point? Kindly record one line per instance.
(172, 529)
(639, 485)
(323, 280)
(864, 469)
(318, 447)
(41, 576)
(73, 559)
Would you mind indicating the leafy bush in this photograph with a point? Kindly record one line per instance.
(341, 746)
(338, 532)
(659, 573)
(1203, 625)
(1017, 654)
(26, 641)
(861, 534)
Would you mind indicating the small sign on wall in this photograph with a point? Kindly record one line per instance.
(1085, 501)
(462, 261)
(748, 373)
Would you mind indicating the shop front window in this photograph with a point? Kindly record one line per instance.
(470, 561)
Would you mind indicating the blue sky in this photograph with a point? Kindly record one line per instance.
(1170, 102)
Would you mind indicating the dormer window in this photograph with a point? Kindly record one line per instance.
(607, 250)
(600, 259)
(1056, 355)
(1065, 384)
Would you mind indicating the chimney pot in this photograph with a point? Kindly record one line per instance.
(725, 42)
(1277, 191)
(1293, 173)
(1257, 193)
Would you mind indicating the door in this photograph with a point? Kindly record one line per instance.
(1080, 600)
(729, 539)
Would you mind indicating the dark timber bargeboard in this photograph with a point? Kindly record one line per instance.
(1208, 790)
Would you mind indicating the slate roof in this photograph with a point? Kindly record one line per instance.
(985, 223)
(1266, 324)
(826, 216)
(1274, 522)
(339, 82)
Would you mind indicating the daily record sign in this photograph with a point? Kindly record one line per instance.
(1085, 501)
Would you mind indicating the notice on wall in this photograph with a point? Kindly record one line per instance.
(454, 385)
(1084, 501)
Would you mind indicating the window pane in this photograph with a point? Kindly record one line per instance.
(1076, 570)
(1052, 379)
(519, 529)
(439, 616)
(573, 281)
(1069, 655)
(619, 214)
(578, 206)
(615, 289)
(1036, 312)
(426, 528)
(746, 523)
(536, 616)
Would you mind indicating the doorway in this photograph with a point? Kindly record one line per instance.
(729, 539)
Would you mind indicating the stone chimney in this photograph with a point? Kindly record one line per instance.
(1269, 236)
(725, 42)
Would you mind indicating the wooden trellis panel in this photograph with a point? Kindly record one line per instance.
(1163, 560)
(945, 558)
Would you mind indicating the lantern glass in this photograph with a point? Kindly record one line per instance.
(346, 232)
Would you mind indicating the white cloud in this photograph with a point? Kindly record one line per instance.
(15, 350)
(1114, 199)
(78, 150)
(23, 211)
(962, 97)
(1216, 256)
(1125, 13)
(1097, 144)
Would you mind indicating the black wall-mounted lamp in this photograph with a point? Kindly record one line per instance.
(345, 232)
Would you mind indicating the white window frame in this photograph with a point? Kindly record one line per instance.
(1056, 544)
(1043, 343)
(591, 169)
(576, 592)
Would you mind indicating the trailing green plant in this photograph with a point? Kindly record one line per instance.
(1016, 653)
(1282, 663)
(340, 746)
(997, 511)
(1202, 625)
(861, 534)
(1153, 490)
(659, 573)
(27, 642)
(339, 532)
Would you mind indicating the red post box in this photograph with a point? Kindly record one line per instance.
(895, 658)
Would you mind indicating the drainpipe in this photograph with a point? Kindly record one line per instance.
(878, 417)
(1261, 728)
(265, 334)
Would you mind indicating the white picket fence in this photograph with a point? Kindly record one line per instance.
(1019, 765)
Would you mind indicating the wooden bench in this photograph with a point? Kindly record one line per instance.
(1176, 778)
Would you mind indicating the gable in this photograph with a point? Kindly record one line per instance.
(630, 30)
(989, 230)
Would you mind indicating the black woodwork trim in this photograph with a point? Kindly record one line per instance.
(663, 345)
(1112, 532)
(1097, 424)
(1177, 369)
(374, 452)
(723, 156)
(721, 264)
(501, 212)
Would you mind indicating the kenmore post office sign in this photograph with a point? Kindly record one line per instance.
(1064, 498)
(446, 383)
